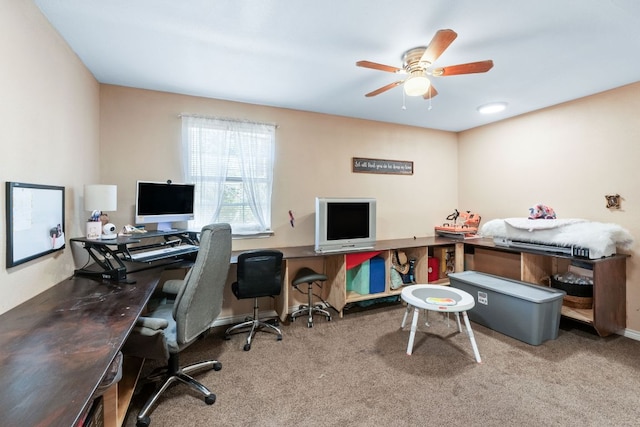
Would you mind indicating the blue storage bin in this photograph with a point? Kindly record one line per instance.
(376, 275)
(358, 278)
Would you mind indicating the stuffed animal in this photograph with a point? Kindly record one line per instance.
(541, 212)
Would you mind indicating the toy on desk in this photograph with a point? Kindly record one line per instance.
(468, 228)
(109, 232)
(130, 229)
(541, 211)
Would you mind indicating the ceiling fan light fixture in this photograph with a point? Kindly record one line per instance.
(492, 107)
(416, 85)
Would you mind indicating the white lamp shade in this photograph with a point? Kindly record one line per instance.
(416, 85)
(100, 197)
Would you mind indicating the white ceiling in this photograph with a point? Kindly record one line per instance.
(301, 54)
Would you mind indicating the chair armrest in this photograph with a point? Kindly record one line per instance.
(147, 340)
(152, 323)
(172, 286)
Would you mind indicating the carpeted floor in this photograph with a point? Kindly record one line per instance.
(354, 371)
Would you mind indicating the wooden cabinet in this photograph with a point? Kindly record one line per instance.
(335, 267)
(608, 314)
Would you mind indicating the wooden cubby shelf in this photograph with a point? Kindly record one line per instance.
(607, 316)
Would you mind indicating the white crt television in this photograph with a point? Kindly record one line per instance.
(344, 224)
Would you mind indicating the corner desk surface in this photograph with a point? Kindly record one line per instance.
(56, 347)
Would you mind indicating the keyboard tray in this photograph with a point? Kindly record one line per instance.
(163, 253)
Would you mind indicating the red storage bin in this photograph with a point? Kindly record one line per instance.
(433, 269)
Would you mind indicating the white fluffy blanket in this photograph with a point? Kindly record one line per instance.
(599, 238)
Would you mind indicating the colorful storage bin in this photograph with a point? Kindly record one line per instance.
(376, 275)
(358, 278)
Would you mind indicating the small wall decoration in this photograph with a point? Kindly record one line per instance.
(613, 201)
(396, 167)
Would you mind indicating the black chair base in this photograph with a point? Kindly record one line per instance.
(308, 276)
(172, 374)
(253, 325)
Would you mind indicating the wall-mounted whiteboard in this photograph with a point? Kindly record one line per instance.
(35, 221)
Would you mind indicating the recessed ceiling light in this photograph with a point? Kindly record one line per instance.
(492, 107)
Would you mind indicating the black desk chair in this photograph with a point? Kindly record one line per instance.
(177, 323)
(259, 275)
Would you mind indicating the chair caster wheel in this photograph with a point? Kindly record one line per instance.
(227, 337)
(210, 400)
(279, 338)
(247, 347)
(143, 422)
(309, 325)
(217, 366)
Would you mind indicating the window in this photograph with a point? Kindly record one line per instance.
(231, 163)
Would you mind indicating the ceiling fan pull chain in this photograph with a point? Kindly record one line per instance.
(404, 107)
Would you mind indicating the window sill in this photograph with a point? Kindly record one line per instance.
(262, 235)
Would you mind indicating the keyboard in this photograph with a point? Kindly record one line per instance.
(164, 252)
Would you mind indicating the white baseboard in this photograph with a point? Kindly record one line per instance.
(630, 333)
(231, 320)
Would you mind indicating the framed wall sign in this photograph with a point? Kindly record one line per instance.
(397, 167)
(35, 221)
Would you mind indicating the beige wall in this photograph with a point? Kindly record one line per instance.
(58, 126)
(140, 139)
(567, 157)
(140, 134)
(48, 133)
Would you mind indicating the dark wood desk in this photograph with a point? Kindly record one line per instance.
(56, 347)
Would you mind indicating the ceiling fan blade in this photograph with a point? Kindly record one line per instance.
(381, 67)
(430, 93)
(438, 44)
(470, 68)
(384, 88)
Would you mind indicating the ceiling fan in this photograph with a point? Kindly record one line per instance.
(417, 64)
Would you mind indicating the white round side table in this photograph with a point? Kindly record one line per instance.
(438, 298)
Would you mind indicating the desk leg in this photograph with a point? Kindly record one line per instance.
(110, 402)
(471, 337)
(412, 334)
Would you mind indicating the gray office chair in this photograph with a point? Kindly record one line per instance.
(259, 275)
(177, 323)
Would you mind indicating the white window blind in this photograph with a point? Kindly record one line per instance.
(231, 163)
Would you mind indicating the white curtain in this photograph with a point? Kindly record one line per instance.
(204, 164)
(257, 172)
(218, 151)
